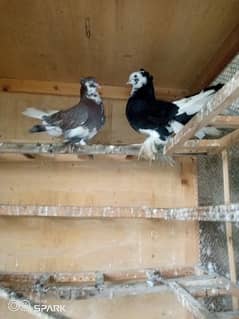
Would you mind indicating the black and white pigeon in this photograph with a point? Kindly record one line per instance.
(161, 119)
(78, 124)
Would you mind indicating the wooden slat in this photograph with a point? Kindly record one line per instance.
(73, 89)
(225, 121)
(230, 244)
(80, 286)
(190, 303)
(229, 139)
(203, 213)
(223, 99)
(70, 278)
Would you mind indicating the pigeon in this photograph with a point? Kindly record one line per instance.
(79, 123)
(159, 119)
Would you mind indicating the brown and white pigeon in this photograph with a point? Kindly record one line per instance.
(78, 124)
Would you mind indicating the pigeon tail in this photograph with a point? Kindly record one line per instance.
(37, 129)
(211, 131)
(34, 113)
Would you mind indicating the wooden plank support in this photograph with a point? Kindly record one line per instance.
(230, 244)
(76, 286)
(198, 310)
(221, 100)
(223, 213)
(225, 121)
(73, 89)
(32, 149)
(20, 303)
(229, 140)
(89, 277)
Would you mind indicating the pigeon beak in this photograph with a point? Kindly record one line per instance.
(129, 83)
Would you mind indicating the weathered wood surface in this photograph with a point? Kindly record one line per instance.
(229, 213)
(190, 303)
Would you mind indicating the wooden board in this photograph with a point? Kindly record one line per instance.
(63, 40)
(99, 183)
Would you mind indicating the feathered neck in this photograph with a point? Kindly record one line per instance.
(90, 93)
(146, 91)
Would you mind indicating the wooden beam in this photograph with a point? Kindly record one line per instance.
(228, 49)
(225, 121)
(230, 244)
(224, 213)
(89, 277)
(78, 286)
(229, 140)
(221, 100)
(73, 89)
(189, 302)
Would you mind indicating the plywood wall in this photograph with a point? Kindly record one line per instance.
(63, 40)
(62, 244)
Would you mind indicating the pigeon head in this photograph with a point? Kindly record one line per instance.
(139, 78)
(89, 88)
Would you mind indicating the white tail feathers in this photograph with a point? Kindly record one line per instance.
(193, 104)
(212, 131)
(34, 113)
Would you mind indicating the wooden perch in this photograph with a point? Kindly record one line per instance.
(48, 149)
(84, 285)
(222, 100)
(229, 213)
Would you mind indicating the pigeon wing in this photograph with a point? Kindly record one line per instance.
(71, 118)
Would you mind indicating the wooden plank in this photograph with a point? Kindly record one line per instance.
(49, 150)
(90, 277)
(190, 303)
(221, 100)
(230, 244)
(73, 89)
(226, 121)
(229, 212)
(43, 45)
(229, 139)
(228, 49)
(118, 284)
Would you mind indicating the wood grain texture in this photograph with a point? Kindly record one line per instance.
(63, 40)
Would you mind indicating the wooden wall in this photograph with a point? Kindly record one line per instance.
(62, 244)
(62, 40)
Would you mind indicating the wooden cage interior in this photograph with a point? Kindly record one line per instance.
(95, 229)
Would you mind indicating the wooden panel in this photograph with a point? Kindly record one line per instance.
(99, 183)
(63, 40)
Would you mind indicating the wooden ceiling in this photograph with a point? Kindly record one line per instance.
(184, 43)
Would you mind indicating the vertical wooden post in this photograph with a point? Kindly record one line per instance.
(230, 244)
